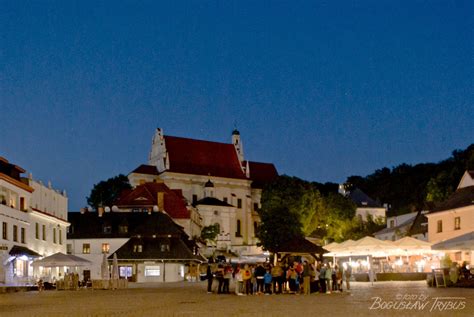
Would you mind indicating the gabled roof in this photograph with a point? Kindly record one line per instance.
(362, 200)
(419, 225)
(211, 201)
(299, 246)
(146, 195)
(189, 156)
(151, 250)
(460, 198)
(17, 250)
(407, 223)
(146, 169)
(262, 173)
(90, 226)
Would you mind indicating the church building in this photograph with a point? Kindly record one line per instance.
(217, 180)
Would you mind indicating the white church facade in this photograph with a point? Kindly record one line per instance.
(216, 179)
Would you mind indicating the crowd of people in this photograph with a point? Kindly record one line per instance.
(293, 278)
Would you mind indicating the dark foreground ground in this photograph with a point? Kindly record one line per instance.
(191, 299)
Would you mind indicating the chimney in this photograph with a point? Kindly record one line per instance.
(161, 201)
(100, 210)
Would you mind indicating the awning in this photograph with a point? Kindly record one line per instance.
(462, 242)
(17, 250)
(61, 259)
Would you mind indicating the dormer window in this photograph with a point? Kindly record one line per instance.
(137, 248)
(165, 247)
(107, 228)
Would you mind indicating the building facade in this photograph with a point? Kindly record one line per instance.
(204, 169)
(453, 218)
(34, 223)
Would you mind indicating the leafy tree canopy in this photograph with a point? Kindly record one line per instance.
(409, 188)
(105, 193)
(292, 207)
(209, 233)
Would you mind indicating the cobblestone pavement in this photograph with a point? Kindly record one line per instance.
(191, 299)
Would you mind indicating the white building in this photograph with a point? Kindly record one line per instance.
(366, 206)
(412, 224)
(33, 219)
(235, 184)
(454, 217)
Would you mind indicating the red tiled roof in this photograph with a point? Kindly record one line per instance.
(199, 157)
(145, 195)
(146, 169)
(262, 173)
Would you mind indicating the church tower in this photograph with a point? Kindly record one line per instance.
(158, 155)
(238, 145)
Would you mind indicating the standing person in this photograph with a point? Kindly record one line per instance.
(246, 276)
(259, 274)
(334, 277)
(227, 277)
(238, 280)
(220, 278)
(322, 278)
(328, 277)
(306, 278)
(277, 273)
(209, 277)
(317, 269)
(348, 275)
(339, 274)
(267, 279)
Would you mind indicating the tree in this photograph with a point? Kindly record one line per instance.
(209, 233)
(292, 207)
(105, 193)
(278, 225)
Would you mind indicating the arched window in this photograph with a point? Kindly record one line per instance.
(237, 232)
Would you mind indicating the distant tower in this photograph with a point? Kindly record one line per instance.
(239, 148)
(158, 155)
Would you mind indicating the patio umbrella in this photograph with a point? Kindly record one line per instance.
(115, 268)
(104, 269)
(413, 246)
(60, 259)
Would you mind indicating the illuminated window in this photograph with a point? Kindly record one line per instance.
(137, 248)
(123, 229)
(457, 223)
(125, 271)
(105, 247)
(165, 247)
(152, 271)
(86, 248)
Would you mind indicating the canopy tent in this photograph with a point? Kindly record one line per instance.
(332, 246)
(60, 259)
(364, 246)
(300, 246)
(462, 242)
(17, 250)
(409, 245)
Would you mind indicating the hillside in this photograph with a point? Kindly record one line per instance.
(415, 187)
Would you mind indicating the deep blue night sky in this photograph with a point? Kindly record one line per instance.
(323, 89)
